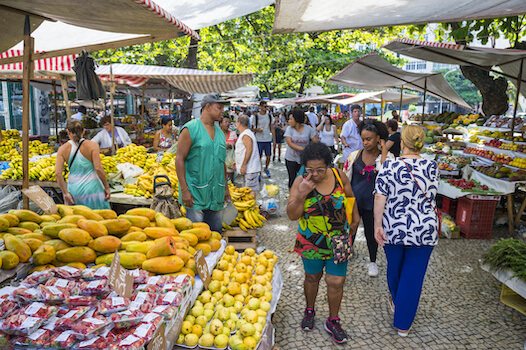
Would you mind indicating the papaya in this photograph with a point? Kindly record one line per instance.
(48, 218)
(191, 250)
(70, 219)
(78, 265)
(56, 216)
(107, 214)
(33, 243)
(162, 247)
(74, 236)
(9, 260)
(134, 229)
(41, 268)
(216, 235)
(38, 231)
(188, 271)
(17, 246)
(94, 228)
(54, 229)
(184, 255)
(183, 240)
(163, 221)
(136, 220)
(47, 223)
(141, 247)
(201, 225)
(13, 219)
(105, 244)
(117, 227)
(190, 237)
(204, 247)
(58, 263)
(84, 255)
(152, 224)
(88, 214)
(44, 255)
(191, 265)
(202, 234)
(182, 224)
(18, 230)
(158, 232)
(64, 210)
(26, 215)
(80, 206)
(134, 236)
(145, 212)
(29, 225)
(97, 266)
(35, 235)
(4, 224)
(213, 243)
(163, 264)
(126, 244)
(104, 259)
(132, 261)
(58, 244)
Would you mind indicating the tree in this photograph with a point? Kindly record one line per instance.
(462, 86)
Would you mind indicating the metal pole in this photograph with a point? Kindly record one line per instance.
(519, 81)
(56, 112)
(112, 90)
(363, 111)
(64, 84)
(424, 103)
(401, 98)
(170, 101)
(27, 74)
(381, 108)
(142, 110)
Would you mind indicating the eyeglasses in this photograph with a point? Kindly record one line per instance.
(319, 171)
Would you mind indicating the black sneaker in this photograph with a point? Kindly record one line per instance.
(335, 329)
(307, 324)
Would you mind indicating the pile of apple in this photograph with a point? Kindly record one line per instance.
(501, 158)
(512, 146)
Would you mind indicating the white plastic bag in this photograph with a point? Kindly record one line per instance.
(129, 170)
(10, 198)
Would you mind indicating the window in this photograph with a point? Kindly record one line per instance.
(410, 66)
(421, 65)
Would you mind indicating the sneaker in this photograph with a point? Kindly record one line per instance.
(391, 304)
(335, 329)
(373, 269)
(404, 333)
(267, 172)
(279, 160)
(259, 179)
(307, 324)
(273, 158)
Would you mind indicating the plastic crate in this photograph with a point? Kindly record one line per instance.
(449, 206)
(475, 216)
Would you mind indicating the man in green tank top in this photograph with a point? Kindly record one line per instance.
(200, 165)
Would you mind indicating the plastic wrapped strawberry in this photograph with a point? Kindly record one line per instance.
(89, 326)
(62, 340)
(37, 338)
(64, 322)
(36, 278)
(94, 288)
(66, 286)
(126, 319)
(21, 324)
(67, 272)
(139, 275)
(6, 307)
(53, 295)
(170, 298)
(39, 310)
(96, 274)
(113, 304)
(168, 312)
(131, 342)
(26, 295)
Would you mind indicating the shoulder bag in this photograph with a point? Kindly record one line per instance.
(437, 211)
(75, 154)
(350, 200)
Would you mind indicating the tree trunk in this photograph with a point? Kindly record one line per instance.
(493, 91)
(191, 63)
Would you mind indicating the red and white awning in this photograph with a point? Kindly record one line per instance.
(56, 64)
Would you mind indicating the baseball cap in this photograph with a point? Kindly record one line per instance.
(212, 98)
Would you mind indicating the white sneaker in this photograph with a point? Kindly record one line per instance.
(373, 269)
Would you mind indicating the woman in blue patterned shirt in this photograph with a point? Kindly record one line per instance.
(406, 223)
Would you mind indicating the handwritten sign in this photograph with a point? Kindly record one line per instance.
(119, 278)
(158, 341)
(202, 267)
(41, 198)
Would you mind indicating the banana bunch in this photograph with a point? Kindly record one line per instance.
(242, 194)
(8, 155)
(244, 201)
(38, 148)
(108, 163)
(43, 169)
(144, 185)
(11, 134)
(133, 154)
(15, 170)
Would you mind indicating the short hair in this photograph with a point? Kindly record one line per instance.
(263, 103)
(311, 109)
(105, 119)
(298, 115)
(413, 137)
(355, 106)
(82, 109)
(243, 120)
(316, 151)
(76, 129)
(375, 126)
(392, 124)
(165, 120)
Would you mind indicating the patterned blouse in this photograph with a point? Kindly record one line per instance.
(409, 219)
(314, 230)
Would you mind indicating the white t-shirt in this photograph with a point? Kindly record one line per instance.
(313, 119)
(77, 116)
(352, 137)
(103, 138)
(301, 139)
(253, 165)
(263, 123)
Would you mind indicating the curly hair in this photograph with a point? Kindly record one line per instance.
(375, 126)
(298, 115)
(105, 119)
(316, 151)
(392, 124)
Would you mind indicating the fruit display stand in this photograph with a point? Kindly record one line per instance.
(240, 239)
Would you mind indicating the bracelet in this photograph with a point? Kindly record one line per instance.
(185, 189)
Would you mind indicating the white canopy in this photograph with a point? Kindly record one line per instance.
(372, 72)
(245, 93)
(327, 15)
(324, 98)
(379, 96)
(507, 60)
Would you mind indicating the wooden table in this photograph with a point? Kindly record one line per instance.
(53, 185)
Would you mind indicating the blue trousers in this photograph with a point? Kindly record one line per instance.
(406, 269)
(214, 219)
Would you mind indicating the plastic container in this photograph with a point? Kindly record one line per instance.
(475, 216)
(449, 206)
(113, 304)
(126, 319)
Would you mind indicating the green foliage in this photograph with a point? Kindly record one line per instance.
(463, 87)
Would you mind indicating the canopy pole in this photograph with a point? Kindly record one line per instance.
(363, 111)
(401, 98)
(27, 74)
(112, 90)
(64, 84)
(519, 81)
(424, 102)
(170, 101)
(142, 110)
(55, 105)
(381, 109)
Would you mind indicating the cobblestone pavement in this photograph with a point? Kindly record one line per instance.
(459, 307)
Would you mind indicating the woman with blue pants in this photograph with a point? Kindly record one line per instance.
(406, 223)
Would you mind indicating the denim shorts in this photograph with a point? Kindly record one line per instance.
(213, 218)
(265, 147)
(315, 266)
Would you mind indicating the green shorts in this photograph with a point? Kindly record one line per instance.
(315, 266)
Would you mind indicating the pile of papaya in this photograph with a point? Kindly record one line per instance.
(77, 236)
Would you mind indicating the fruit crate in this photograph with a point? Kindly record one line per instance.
(240, 239)
(475, 216)
(449, 205)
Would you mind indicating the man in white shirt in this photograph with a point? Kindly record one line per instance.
(81, 112)
(247, 161)
(263, 127)
(351, 139)
(313, 118)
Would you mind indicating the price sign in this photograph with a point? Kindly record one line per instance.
(202, 267)
(119, 278)
(158, 341)
(41, 198)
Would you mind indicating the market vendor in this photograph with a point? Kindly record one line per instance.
(105, 139)
(164, 138)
